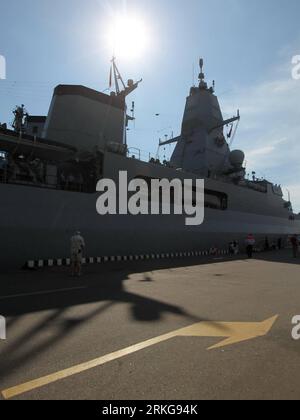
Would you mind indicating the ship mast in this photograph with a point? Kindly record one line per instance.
(202, 84)
(122, 91)
(118, 79)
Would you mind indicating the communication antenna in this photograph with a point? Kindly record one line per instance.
(133, 113)
(133, 110)
(201, 75)
(193, 79)
(234, 131)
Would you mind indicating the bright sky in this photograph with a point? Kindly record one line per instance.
(247, 46)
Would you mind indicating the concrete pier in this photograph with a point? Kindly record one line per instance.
(212, 328)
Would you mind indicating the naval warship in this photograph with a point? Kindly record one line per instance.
(50, 166)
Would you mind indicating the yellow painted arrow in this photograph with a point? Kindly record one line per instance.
(234, 332)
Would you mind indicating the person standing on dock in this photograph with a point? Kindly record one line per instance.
(279, 244)
(267, 244)
(250, 243)
(295, 245)
(77, 248)
(236, 247)
(231, 249)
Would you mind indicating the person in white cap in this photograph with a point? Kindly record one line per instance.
(77, 248)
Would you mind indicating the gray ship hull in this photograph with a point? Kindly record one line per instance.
(36, 224)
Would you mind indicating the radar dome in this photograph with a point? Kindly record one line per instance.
(237, 158)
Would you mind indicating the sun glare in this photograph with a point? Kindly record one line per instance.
(127, 37)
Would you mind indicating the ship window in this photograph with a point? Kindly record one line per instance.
(216, 200)
(213, 199)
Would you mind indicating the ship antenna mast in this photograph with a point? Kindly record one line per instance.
(115, 73)
(117, 76)
(201, 75)
(202, 84)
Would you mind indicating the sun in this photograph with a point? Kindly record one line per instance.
(127, 37)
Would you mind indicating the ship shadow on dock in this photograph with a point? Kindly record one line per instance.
(103, 285)
(100, 285)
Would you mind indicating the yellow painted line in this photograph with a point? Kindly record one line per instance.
(43, 292)
(235, 332)
(63, 374)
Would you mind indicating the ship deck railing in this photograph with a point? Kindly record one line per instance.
(25, 182)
